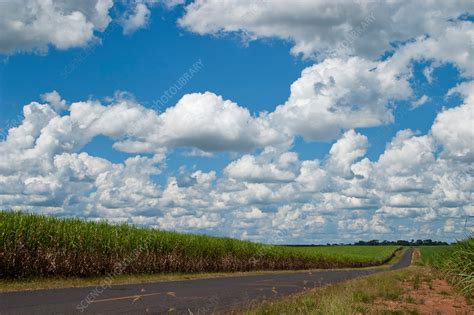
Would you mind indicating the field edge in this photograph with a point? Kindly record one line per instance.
(43, 283)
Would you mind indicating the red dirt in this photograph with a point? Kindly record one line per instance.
(433, 296)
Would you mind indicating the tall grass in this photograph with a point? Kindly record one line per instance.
(460, 265)
(35, 245)
(456, 261)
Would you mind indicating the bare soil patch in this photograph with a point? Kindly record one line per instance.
(425, 293)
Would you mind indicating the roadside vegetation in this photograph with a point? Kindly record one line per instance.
(35, 246)
(455, 262)
(440, 281)
(414, 290)
(350, 297)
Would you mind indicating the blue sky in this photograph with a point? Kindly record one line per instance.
(320, 142)
(146, 64)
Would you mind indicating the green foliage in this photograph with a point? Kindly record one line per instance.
(355, 296)
(457, 261)
(434, 256)
(460, 264)
(35, 245)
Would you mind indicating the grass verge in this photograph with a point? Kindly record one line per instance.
(37, 283)
(456, 262)
(413, 290)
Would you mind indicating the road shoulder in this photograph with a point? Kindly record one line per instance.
(411, 290)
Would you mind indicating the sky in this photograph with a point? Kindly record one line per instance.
(300, 122)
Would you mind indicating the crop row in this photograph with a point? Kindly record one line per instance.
(36, 245)
(456, 261)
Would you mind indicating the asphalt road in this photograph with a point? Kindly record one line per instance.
(201, 296)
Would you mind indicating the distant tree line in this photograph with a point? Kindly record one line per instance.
(427, 242)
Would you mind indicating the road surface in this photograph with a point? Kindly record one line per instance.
(200, 296)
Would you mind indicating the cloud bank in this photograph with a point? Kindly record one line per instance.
(421, 177)
(421, 186)
(35, 25)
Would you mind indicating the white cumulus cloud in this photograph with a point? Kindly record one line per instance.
(324, 28)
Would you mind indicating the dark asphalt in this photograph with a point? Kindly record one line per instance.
(201, 296)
